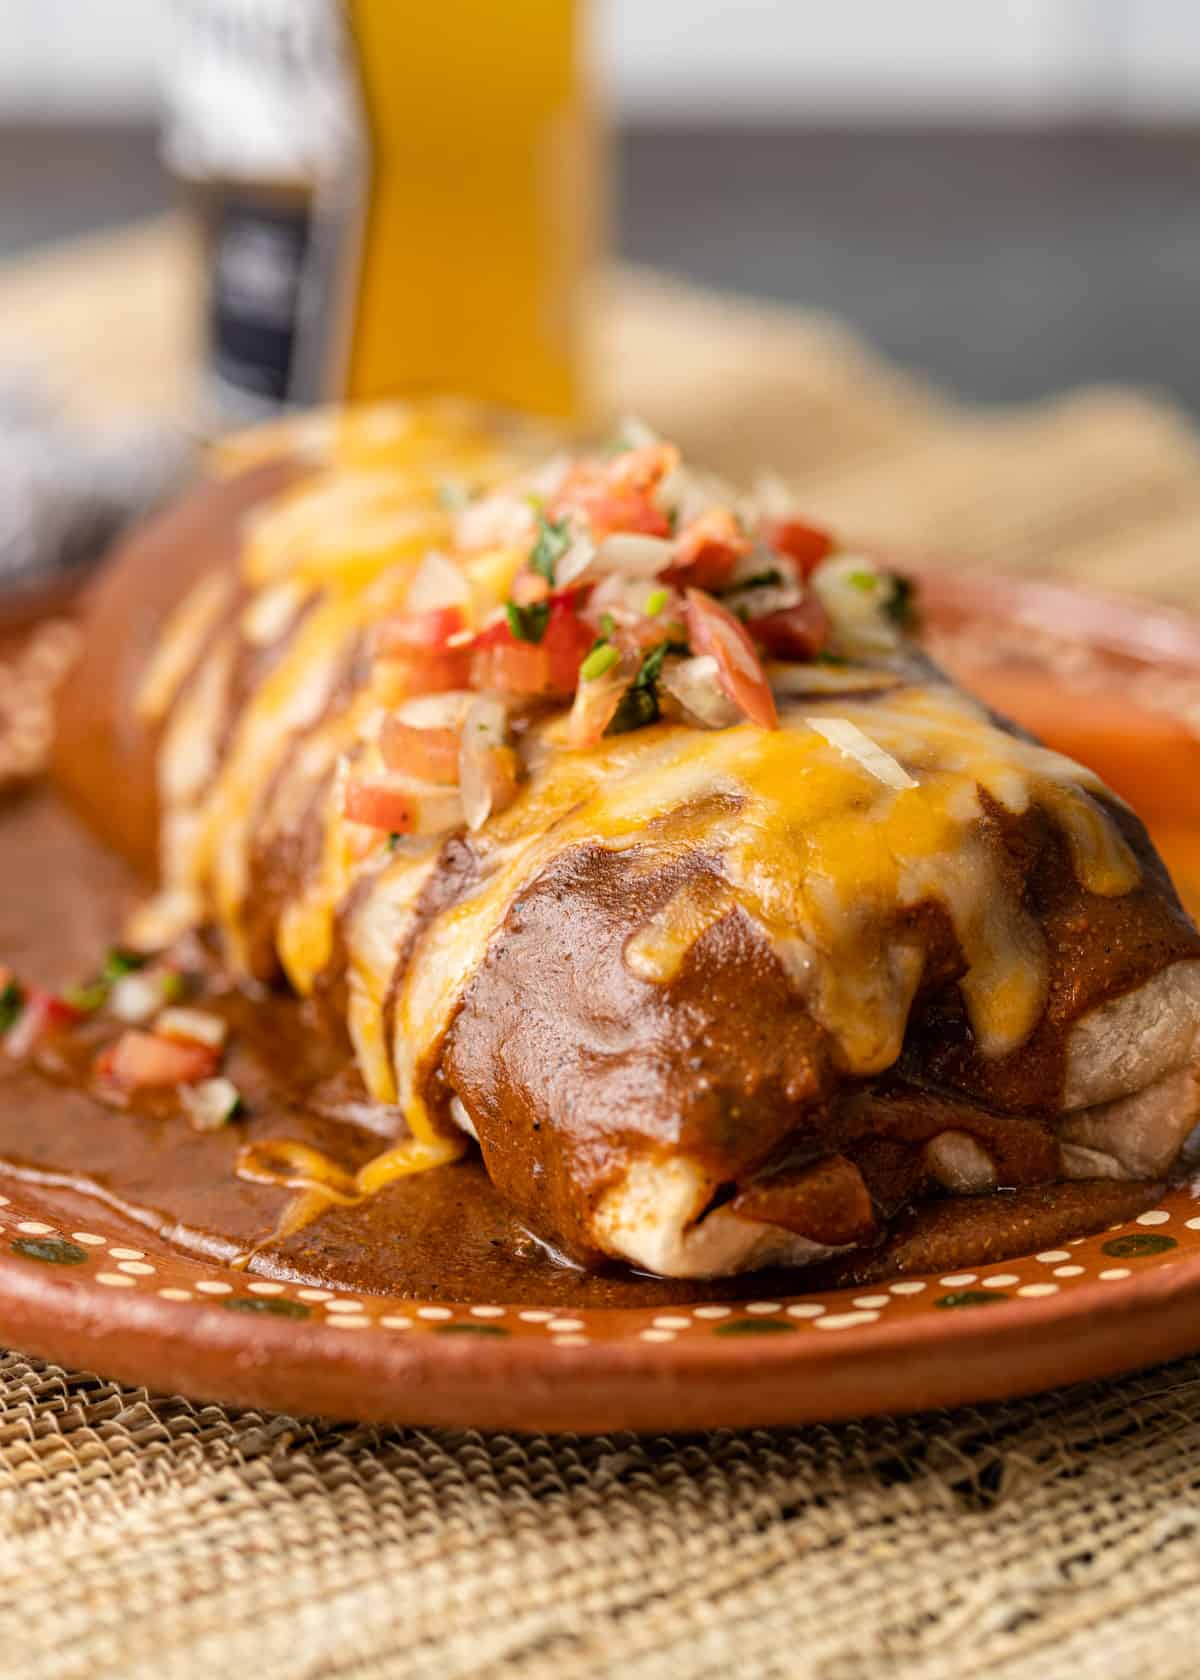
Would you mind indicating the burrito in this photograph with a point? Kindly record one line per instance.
(616, 820)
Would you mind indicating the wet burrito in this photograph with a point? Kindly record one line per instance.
(620, 823)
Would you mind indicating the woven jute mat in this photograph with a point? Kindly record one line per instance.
(1060, 1536)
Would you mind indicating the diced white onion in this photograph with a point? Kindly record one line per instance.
(210, 1102)
(576, 562)
(195, 1025)
(634, 556)
(499, 521)
(690, 493)
(436, 711)
(848, 738)
(860, 624)
(484, 731)
(134, 998)
(437, 582)
(693, 683)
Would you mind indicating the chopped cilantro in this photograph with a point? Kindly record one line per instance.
(528, 624)
(87, 999)
(639, 703)
(119, 962)
(12, 1001)
(608, 623)
(901, 605)
(638, 706)
(864, 580)
(393, 842)
(172, 984)
(760, 580)
(656, 601)
(602, 658)
(827, 658)
(553, 540)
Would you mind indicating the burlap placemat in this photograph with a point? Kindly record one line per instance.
(1058, 1536)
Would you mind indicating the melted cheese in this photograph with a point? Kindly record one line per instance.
(827, 861)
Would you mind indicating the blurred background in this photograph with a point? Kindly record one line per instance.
(1006, 197)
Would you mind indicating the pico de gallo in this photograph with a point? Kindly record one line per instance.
(620, 588)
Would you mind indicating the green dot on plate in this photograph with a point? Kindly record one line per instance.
(262, 1304)
(52, 1251)
(970, 1298)
(1138, 1242)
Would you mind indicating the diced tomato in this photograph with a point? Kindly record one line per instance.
(379, 805)
(567, 641)
(416, 652)
(806, 544)
(798, 632)
(504, 662)
(42, 1014)
(431, 754)
(608, 505)
(708, 549)
(643, 469)
(714, 630)
(144, 1061)
(529, 587)
(418, 632)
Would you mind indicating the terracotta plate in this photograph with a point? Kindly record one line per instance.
(1113, 683)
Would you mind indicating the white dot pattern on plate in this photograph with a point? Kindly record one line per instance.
(187, 1281)
(845, 1321)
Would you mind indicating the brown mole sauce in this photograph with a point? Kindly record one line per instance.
(446, 1232)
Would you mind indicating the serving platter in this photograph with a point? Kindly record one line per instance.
(89, 1280)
